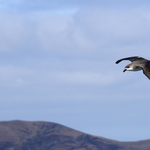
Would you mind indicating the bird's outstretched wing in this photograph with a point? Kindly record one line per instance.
(146, 70)
(130, 58)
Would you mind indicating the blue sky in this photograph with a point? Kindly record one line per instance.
(57, 64)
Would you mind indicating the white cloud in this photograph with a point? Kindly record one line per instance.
(85, 78)
(14, 77)
(87, 32)
(14, 32)
(84, 34)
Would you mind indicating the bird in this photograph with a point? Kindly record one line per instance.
(138, 63)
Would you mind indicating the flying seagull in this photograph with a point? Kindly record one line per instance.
(138, 63)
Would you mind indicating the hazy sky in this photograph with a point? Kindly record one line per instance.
(57, 64)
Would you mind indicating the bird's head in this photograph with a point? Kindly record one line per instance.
(128, 68)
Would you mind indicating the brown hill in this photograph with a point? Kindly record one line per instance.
(21, 135)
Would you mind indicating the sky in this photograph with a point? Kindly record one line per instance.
(57, 64)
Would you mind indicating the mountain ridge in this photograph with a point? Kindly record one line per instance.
(40, 135)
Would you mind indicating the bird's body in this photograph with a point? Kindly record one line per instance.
(138, 63)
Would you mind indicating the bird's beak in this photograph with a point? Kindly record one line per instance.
(124, 70)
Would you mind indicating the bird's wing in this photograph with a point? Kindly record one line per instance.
(146, 70)
(130, 58)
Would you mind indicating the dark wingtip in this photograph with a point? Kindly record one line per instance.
(117, 61)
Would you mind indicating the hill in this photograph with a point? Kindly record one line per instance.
(23, 135)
